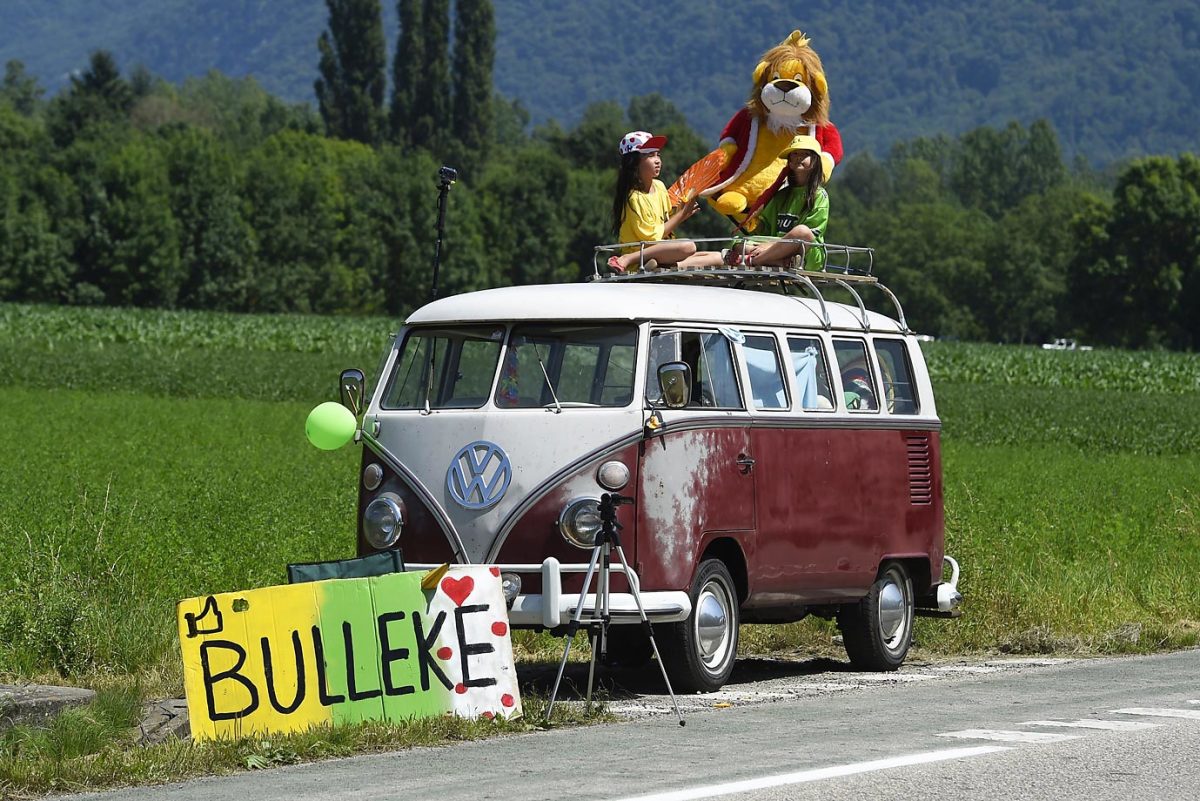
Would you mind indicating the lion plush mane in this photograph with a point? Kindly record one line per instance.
(790, 95)
(794, 59)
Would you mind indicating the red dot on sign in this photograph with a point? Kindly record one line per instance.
(507, 700)
(499, 629)
(444, 653)
(495, 571)
(460, 688)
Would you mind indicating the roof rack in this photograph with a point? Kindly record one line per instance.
(853, 269)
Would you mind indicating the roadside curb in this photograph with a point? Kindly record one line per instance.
(36, 705)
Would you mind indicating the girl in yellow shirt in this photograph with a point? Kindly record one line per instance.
(642, 211)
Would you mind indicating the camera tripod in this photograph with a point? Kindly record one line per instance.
(608, 540)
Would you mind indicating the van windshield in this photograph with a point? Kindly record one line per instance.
(566, 365)
(445, 368)
(544, 365)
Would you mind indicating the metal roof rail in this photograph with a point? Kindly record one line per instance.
(846, 267)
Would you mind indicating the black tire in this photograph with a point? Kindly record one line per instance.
(877, 631)
(627, 647)
(699, 652)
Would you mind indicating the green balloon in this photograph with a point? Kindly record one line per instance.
(330, 426)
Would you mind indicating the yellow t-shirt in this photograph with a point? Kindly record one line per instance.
(645, 215)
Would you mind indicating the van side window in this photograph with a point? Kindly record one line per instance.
(898, 391)
(858, 383)
(766, 379)
(714, 381)
(812, 373)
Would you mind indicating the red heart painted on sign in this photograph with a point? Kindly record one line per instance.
(458, 589)
(499, 628)
(495, 571)
(507, 700)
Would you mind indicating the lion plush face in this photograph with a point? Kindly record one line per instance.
(789, 85)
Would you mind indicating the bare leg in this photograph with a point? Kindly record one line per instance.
(705, 258)
(663, 253)
(779, 252)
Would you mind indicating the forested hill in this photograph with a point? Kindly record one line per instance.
(1116, 79)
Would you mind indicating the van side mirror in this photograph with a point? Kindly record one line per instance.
(675, 381)
(351, 388)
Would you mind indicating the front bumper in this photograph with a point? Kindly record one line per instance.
(553, 608)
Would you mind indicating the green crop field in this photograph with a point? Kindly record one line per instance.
(154, 456)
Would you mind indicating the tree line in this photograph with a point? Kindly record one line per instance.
(126, 190)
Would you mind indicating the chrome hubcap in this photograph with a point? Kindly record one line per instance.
(893, 612)
(713, 624)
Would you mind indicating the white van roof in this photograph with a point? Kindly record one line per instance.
(629, 301)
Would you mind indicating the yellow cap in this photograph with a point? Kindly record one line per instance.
(802, 142)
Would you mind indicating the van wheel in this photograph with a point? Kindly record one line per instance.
(877, 631)
(699, 652)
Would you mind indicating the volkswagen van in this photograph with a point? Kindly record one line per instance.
(778, 452)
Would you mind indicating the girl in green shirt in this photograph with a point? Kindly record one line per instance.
(794, 219)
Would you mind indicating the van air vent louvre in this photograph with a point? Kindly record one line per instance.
(920, 473)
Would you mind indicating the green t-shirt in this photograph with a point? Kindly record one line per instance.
(783, 213)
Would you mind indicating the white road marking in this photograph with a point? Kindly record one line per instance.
(1006, 736)
(1194, 702)
(817, 774)
(1110, 725)
(1191, 714)
(966, 669)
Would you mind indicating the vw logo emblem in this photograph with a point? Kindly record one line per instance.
(479, 475)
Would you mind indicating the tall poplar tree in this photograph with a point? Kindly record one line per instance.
(474, 54)
(431, 101)
(20, 88)
(407, 70)
(99, 96)
(353, 70)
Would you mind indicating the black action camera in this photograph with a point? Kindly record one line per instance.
(447, 176)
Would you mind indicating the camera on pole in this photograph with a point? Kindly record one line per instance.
(446, 178)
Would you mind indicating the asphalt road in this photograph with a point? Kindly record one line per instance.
(1054, 729)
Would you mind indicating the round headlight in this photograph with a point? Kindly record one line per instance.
(382, 521)
(613, 475)
(510, 584)
(580, 522)
(372, 476)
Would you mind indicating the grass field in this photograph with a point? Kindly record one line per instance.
(150, 457)
(155, 456)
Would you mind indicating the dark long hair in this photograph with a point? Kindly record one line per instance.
(813, 185)
(627, 180)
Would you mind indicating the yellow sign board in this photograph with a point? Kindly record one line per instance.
(280, 659)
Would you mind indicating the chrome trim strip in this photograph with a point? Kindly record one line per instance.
(888, 424)
(426, 497)
(826, 420)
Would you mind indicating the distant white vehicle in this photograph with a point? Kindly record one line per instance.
(1064, 343)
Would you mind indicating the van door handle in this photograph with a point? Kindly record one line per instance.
(745, 462)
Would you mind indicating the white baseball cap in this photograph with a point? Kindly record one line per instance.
(641, 142)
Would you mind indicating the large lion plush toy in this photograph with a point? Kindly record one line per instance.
(790, 96)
